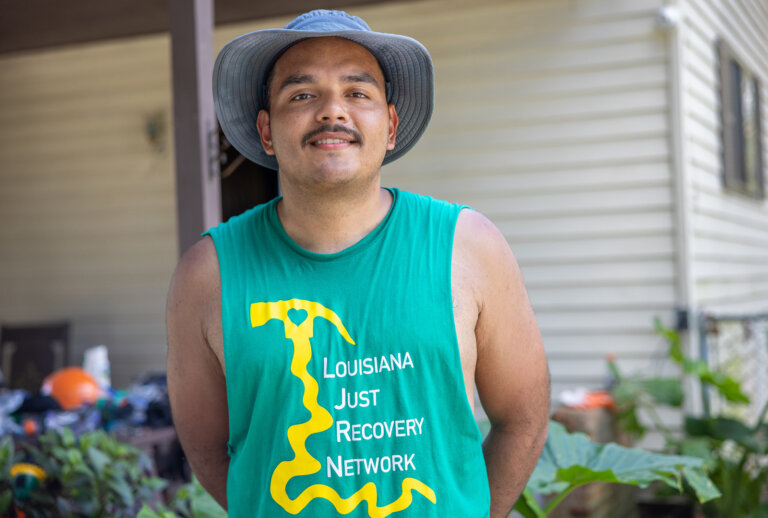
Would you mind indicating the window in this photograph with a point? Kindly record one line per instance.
(742, 144)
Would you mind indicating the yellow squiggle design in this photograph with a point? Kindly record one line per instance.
(320, 420)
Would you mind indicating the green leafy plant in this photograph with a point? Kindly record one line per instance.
(88, 476)
(570, 460)
(191, 501)
(737, 455)
(734, 453)
(8, 458)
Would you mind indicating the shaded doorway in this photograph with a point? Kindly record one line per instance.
(243, 183)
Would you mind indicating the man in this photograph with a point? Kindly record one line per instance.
(323, 348)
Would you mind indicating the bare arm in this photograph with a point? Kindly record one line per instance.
(511, 371)
(196, 383)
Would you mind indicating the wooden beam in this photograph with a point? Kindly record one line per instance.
(38, 24)
(198, 188)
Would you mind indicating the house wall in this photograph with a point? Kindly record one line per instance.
(87, 208)
(729, 249)
(551, 118)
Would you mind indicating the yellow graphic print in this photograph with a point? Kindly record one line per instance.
(298, 316)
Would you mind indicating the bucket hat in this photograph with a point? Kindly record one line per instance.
(242, 67)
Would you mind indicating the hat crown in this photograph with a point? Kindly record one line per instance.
(326, 20)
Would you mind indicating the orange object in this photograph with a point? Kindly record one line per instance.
(30, 426)
(72, 387)
(596, 399)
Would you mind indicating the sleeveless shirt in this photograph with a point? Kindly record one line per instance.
(344, 380)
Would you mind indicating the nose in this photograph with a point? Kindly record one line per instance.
(332, 109)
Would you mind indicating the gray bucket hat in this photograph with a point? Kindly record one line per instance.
(242, 67)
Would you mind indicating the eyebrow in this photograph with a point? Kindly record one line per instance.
(362, 77)
(296, 79)
(301, 79)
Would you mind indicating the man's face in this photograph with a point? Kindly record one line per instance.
(329, 122)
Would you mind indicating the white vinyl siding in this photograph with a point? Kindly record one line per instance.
(86, 202)
(730, 231)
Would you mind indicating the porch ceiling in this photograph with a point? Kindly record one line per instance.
(35, 24)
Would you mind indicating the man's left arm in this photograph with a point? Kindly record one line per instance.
(511, 372)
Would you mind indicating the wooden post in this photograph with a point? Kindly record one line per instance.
(198, 197)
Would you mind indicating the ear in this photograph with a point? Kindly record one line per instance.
(393, 121)
(265, 132)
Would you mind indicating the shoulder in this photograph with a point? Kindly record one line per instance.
(197, 266)
(483, 258)
(478, 240)
(473, 229)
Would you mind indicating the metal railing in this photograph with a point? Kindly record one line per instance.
(737, 344)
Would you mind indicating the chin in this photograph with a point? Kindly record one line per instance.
(332, 172)
(333, 181)
(337, 171)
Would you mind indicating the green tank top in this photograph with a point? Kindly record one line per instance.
(344, 380)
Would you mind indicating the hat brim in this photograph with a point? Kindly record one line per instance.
(241, 67)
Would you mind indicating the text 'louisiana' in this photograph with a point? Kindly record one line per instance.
(363, 366)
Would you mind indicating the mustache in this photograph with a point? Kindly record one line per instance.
(338, 128)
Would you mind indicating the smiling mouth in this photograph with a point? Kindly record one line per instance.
(332, 141)
(334, 136)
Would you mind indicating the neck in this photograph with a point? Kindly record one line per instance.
(333, 221)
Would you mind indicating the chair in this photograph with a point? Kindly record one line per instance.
(30, 352)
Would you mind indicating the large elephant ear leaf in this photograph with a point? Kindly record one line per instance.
(571, 459)
(528, 507)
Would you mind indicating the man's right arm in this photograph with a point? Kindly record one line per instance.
(196, 383)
